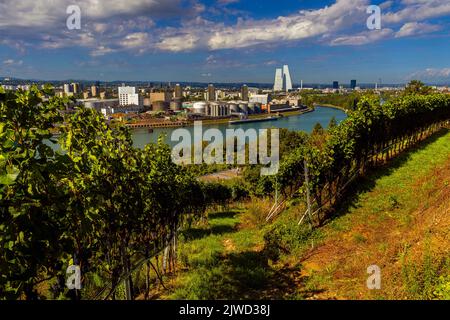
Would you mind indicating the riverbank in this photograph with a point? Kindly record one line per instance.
(295, 121)
(178, 124)
(330, 106)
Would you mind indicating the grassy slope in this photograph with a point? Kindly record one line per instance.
(398, 218)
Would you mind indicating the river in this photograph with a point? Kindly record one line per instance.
(303, 122)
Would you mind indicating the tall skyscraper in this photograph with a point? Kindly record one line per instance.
(211, 93)
(353, 84)
(75, 87)
(244, 93)
(335, 84)
(287, 80)
(67, 89)
(178, 94)
(94, 91)
(283, 80)
(278, 85)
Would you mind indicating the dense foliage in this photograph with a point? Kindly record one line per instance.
(372, 132)
(98, 203)
(106, 206)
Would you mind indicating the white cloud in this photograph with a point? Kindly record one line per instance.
(299, 26)
(136, 40)
(117, 25)
(177, 43)
(418, 10)
(363, 37)
(101, 51)
(416, 28)
(12, 62)
(431, 74)
(47, 13)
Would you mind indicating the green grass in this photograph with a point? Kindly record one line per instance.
(390, 192)
(222, 260)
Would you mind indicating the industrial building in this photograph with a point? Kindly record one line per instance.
(259, 98)
(211, 93)
(244, 93)
(160, 96)
(225, 109)
(178, 92)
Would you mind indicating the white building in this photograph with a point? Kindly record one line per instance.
(67, 89)
(259, 98)
(283, 80)
(128, 97)
(278, 84)
(8, 87)
(287, 80)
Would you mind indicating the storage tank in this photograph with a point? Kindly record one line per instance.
(252, 108)
(175, 105)
(243, 107)
(234, 107)
(160, 106)
(258, 107)
(226, 109)
(200, 107)
(213, 109)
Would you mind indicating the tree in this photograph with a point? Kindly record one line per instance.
(417, 87)
(317, 130)
(332, 123)
(32, 204)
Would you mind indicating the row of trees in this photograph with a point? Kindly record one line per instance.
(373, 132)
(87, 198)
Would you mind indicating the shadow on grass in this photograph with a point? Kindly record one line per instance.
(195, 233)
(223, 215)
(238, 276)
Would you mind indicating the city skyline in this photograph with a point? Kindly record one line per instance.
(226, 41)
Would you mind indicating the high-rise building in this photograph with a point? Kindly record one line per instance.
(283, 80)
(75, 87)
(278, 85)
(287, 80)
(94, 91)
(178, 91)
(67, 89)
(244, 93)
(128, 97)
(211, 93)
(335, 84)
(353, 84)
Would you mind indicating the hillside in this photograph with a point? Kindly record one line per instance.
(400, 221)
(398, 218)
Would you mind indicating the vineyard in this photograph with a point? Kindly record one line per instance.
(113, 209)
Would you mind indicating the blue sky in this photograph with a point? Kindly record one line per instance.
(226, 40)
